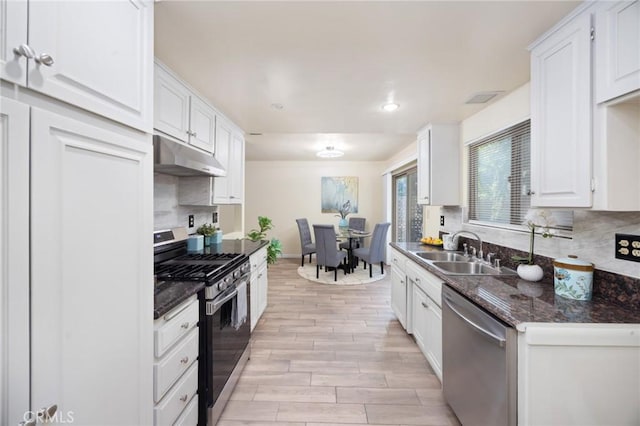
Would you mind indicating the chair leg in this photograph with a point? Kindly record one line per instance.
(317, 271)
(382, 268)
(370, 271)
(303, 260)
(335, 274)
(364, 264)
(309, 257)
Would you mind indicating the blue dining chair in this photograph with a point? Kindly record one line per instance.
(327, 253)
(376, 251)
(306, 245)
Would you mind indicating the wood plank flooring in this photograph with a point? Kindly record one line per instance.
(325, 355)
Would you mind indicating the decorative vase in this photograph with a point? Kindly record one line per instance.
(343, 224)
(530, 272)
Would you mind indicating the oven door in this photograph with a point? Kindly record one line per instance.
(225, 341)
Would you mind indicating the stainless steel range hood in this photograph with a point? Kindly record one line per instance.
(177, 159)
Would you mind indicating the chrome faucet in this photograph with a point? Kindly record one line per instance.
(480, 252)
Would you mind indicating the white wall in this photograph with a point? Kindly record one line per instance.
(287, 190)
(593, 234)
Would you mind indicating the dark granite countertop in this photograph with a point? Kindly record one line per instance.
(517, 301)
(170, 294)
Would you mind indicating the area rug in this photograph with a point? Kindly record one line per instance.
(359, 276)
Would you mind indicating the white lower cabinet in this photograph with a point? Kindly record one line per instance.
(399, 291)
(578, 374)
(426, 314)
(175, 367)
(258, 285)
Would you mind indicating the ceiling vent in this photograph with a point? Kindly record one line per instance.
(483, 97)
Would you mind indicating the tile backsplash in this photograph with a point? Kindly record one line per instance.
(167, 213)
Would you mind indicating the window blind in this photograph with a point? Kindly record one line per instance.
(500, 179)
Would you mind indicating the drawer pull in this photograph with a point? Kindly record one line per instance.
(424, 305)
(185, 325)
(184, 397)
(184, 360)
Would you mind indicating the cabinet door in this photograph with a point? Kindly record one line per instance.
(420, 318)
(91, 272)
(617, 49)
(399, 295)
(433, 340)
(202, 123)
(236, 169)
(14, 261)
(424, 165)
(561, 117)
(263, 289)
(13, 27)
(223, 150)
(171, 105)
(102, 56)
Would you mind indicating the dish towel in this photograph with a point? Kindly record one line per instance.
(239, 313)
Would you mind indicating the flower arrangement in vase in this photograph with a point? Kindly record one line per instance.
(344, 211)
(536, 219)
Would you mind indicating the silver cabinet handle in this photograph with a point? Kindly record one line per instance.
(184, 397)
(500, 341)
(530, 192)
(424, 305)
(184, 360)
(24, 50)
(44, 59)
(185, 325)
(194, 134)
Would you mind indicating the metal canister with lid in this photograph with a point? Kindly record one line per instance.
(573, 278)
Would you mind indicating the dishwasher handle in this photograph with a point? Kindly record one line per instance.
(499, 340)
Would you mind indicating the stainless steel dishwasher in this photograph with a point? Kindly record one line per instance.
(479, 361)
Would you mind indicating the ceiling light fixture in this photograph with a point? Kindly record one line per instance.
(329, 152)
(277, 106)
(390, 107)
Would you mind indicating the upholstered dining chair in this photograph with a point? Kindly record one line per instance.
(356, 223)
(327, 254)
(306, 245)
(376, 250)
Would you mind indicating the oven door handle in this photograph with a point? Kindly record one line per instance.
(212, 307)
(500, 341)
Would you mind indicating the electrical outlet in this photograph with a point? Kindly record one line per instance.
(628, 247)
(442, 220)
(191, 221)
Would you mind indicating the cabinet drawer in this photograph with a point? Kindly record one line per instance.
(398, 260)
(174, 325)
(427, 282)
(257, 259)
(174, 402)
(174, 364)
(189, 416)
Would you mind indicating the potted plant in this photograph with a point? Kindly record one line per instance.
(344, 211)
(275, 246)
(535, 219)
(207, 229)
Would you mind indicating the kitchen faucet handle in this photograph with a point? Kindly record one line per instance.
(473, 251)
(466, 249)
(490, 258)
(496, 264)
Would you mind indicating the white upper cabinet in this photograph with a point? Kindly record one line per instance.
(13, 27)
(230, 153)
(94, 55)
(561, 116)
(438, 165)
(180, 113)
(617, 40)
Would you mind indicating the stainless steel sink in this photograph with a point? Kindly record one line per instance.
(442, 256)
(470, 268)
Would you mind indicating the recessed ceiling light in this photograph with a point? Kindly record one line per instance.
(390, 107)
(277, 106)
(329, 152)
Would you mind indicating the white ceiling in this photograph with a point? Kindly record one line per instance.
(332, 65)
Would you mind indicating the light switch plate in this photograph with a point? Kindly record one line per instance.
(628, 247)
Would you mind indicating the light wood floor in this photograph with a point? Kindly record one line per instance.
(326, 355)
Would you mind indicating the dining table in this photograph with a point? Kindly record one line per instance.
(351, 235)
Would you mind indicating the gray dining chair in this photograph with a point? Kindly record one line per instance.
(307, 247)
(327, 254)
(355, 223)
(376, 251)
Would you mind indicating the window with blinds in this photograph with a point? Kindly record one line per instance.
(499, 179)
